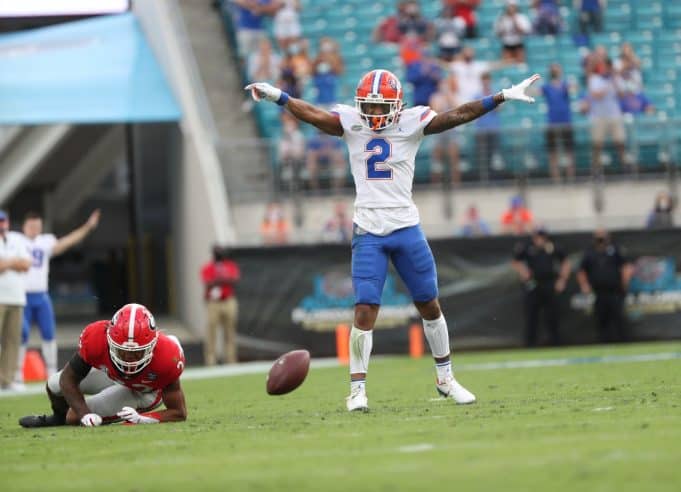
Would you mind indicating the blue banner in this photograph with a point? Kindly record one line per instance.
(97, 70)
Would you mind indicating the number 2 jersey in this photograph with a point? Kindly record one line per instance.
(165, 367)
(382, 164)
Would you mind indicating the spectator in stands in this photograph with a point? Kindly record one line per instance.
(559, 132)
(446, 148)
(605, 113)
(474, 226)
(338, 229)
(590, 15)
(464, 10)
(264, 64)
(219, 277)
(469, 72)
(547, 19)
(511, 27)
(388, 31)
(449, 30)
(488, 131)
(413, 23)
(274, 227)
(518, 219)
(423, 72)
(286, 25)
(327, 151)
(291, 149)
(328, 66)
(249, 23)
(295, 68)
(15, 261)
(662, 215)
(630, 82)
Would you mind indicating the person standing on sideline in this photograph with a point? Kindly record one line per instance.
(42, 248)
(14, 263)
(543, 269)
(605, 271)
(219, 277)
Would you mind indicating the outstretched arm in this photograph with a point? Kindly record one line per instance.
(473, 110)
(77, 235)
(325, 121)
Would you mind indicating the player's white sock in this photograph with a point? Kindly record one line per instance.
(50, 356)
(444, 371)
(438, 336)
(361, 342)
(358, 384)
(19, 375)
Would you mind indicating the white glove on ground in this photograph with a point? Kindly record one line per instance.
(263, 90)
(129, 414)
(517, 92)
(91, 420)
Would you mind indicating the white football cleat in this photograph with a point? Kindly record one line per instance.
(357, 401)
(452, 389)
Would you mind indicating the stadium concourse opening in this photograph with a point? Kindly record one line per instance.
(88, 122)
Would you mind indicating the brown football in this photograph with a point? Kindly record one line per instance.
(288, 372)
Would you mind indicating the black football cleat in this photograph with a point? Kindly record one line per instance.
(31, 421)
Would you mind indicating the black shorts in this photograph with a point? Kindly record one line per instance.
(514, 48)
(556, 135)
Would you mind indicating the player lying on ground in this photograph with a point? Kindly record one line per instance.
(383, 139)
(127, 367)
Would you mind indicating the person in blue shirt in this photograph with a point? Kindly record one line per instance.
(474, 226)
(328, 66)
(559, 131)
(248, 16)
(424, 73)
(488, 128)
(591, 16)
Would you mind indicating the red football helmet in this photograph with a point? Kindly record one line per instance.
(132, 336)
(379, 99)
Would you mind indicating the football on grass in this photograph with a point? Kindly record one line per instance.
(288, 372)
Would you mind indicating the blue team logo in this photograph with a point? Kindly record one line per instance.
(332, 302)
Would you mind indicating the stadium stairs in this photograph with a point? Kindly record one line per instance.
(216, 60)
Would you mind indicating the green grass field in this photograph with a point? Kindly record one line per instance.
(582, 426)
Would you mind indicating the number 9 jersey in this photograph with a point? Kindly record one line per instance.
(382, 164)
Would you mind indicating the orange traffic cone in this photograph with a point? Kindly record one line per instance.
(34, 367)
(415, 341)
(343, 344)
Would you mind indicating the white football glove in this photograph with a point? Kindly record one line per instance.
(263, 90)
(91, 420)
(129, 414)
(517, 92)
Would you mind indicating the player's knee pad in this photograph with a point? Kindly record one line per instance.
(367, 290)
(421, 278)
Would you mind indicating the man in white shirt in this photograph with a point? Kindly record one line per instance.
(511, 27)
(14, 263)
(42, 248)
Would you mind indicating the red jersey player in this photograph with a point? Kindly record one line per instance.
(126, 367)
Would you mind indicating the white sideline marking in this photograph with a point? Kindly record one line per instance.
(264, 367)
(416, 448)
(603, 409)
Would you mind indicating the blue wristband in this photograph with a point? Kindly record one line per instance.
(283, 99)
(489, 103)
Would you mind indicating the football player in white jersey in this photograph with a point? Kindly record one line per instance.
(38, 303)
(383, 138)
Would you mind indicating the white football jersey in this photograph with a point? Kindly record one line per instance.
(41, 252)
(382, 164)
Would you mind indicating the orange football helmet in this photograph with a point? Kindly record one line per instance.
(379, 89)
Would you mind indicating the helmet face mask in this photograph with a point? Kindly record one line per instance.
(132, 337)
(379, 99)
